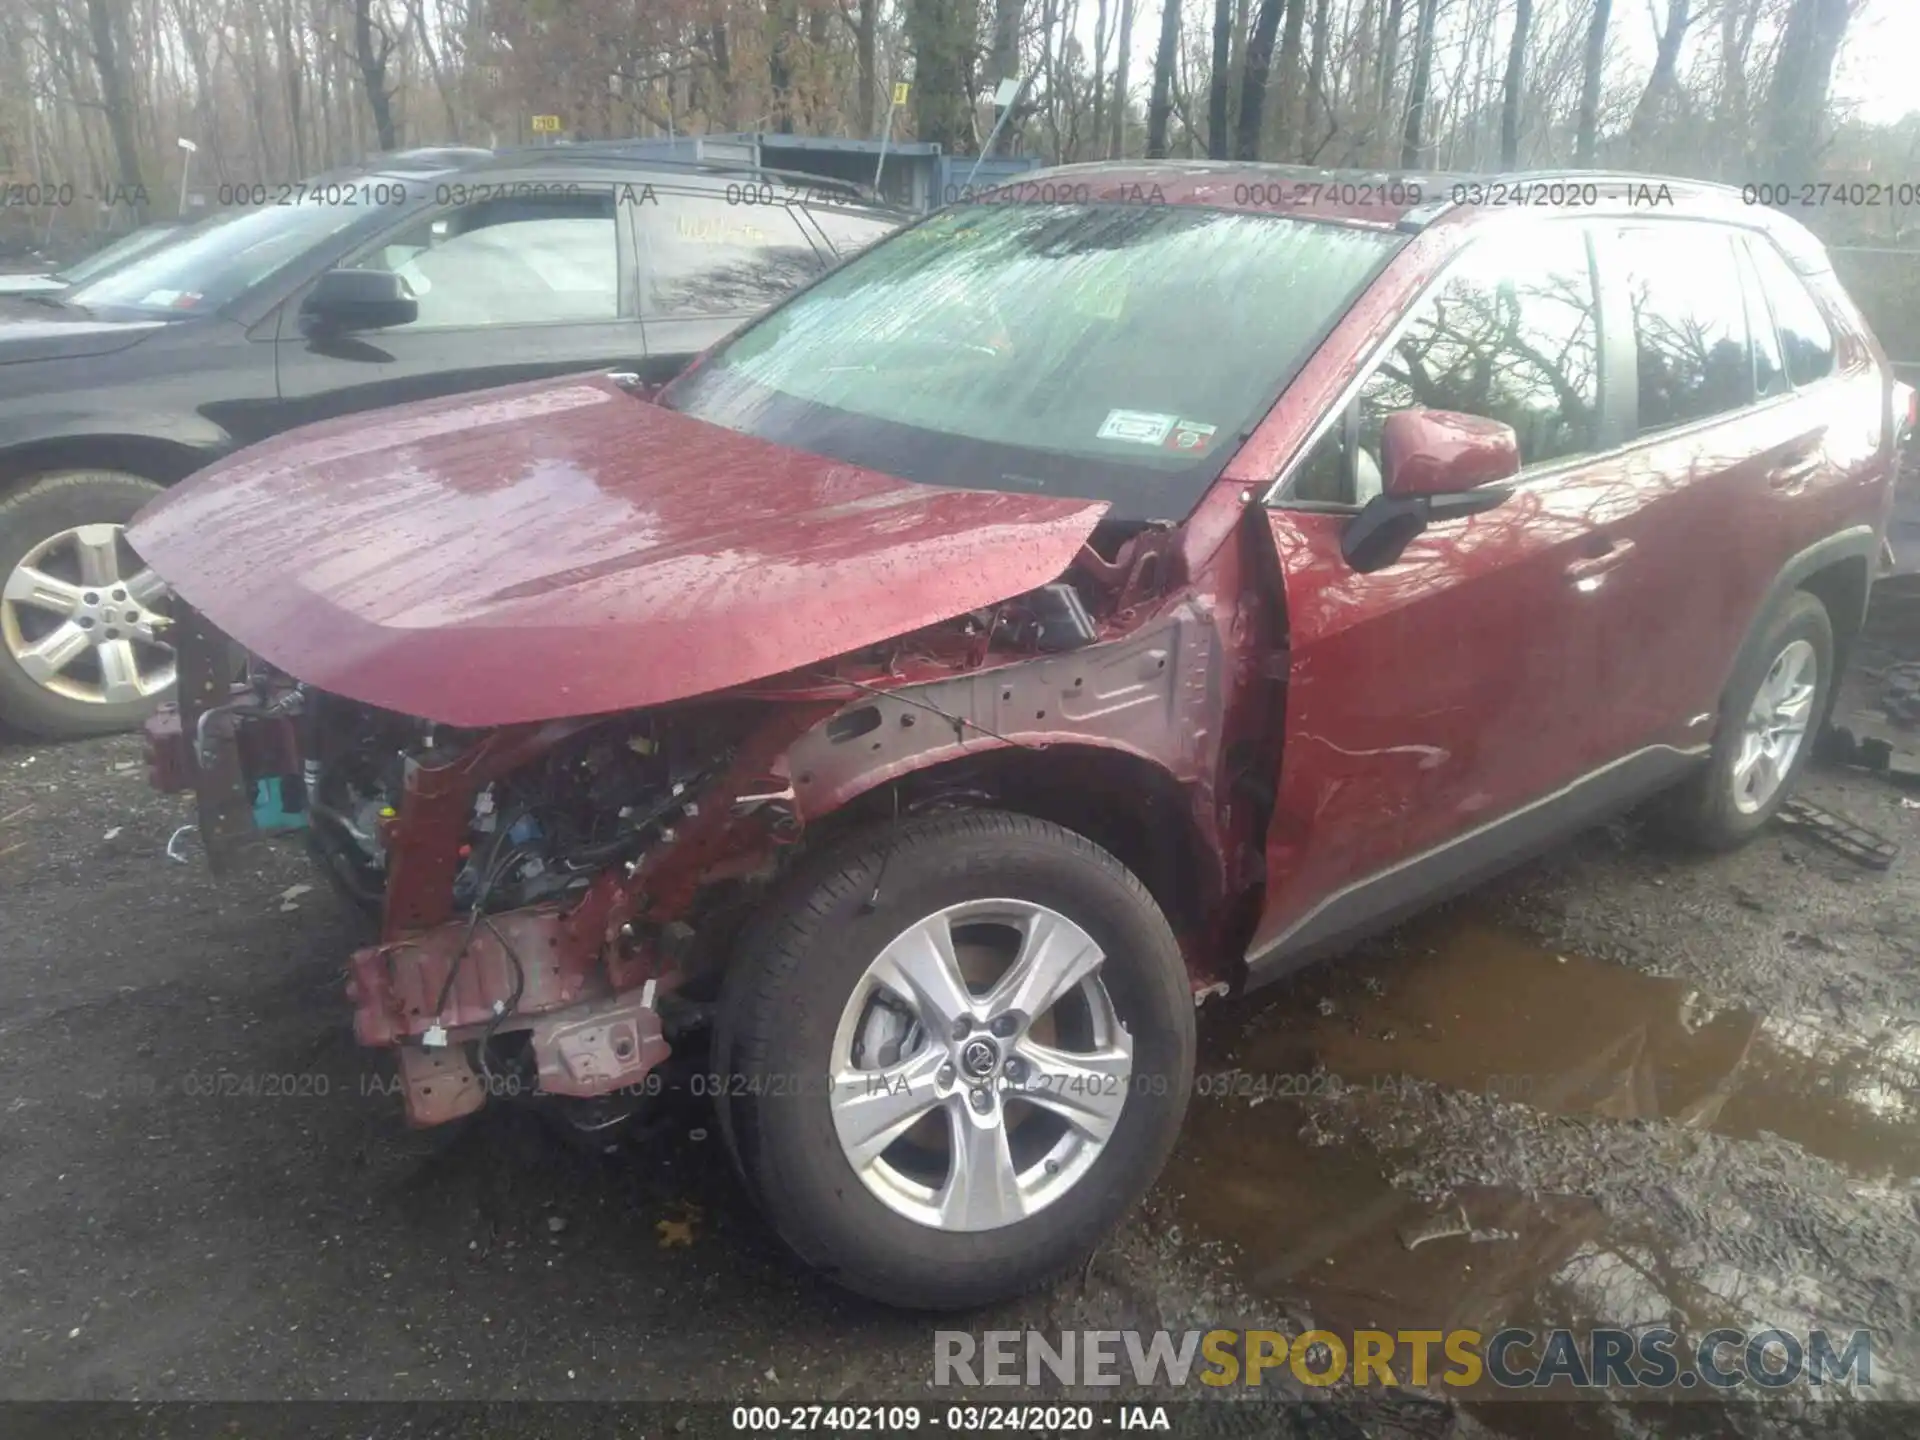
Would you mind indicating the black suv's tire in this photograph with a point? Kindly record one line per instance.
(1714, 810)
(30, 518)
(792, 992)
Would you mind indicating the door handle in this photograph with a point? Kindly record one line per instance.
(1615, 553)
(1794, 475)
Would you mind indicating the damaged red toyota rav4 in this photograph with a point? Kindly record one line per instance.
(1058, 614)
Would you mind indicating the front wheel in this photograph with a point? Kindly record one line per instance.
(81, 618)
(953, 1054)
(1765, 735)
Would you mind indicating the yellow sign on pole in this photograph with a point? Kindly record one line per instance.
(900, 92)
(546, 124)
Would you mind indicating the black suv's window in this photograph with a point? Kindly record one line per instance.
(1511, 334)
(515, 260)
(1805, 337)
(851, 231)
(216, 261)
(701, 255)
(1690, 322)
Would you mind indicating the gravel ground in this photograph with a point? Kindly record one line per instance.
(1653, 1087)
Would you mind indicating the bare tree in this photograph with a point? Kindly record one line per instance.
(1218, 98)
(1165, 57)
(1413, 138)
(373, 48)
(1389, 57)
(1513, 87)
(866, 34)
(114, 97)
(1253, 88)
(1797, 100)
(783, 38)
(1116, 144)
(1737, 21)
(1588, 129)
(1663, 85)
(1099, 69)
(1316, 88)
(942, 35)
(1003, 56)
(1292, 92)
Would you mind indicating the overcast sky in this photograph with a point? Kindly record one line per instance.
(1878, 65)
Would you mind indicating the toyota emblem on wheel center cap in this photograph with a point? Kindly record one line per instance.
(979, 1058)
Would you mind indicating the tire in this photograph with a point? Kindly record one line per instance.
(49, 507)
(1713, 810)
(784, 1014)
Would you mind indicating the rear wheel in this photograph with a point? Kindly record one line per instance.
(954, 1055)
(80, 650)
(1764, 738)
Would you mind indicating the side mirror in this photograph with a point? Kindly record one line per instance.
(1438, 452)
(1435, 465)
(343, 301)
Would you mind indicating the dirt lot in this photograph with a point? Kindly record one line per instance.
(1649, 1088)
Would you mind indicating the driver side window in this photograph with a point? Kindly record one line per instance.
(1511, 334)
(537, 259)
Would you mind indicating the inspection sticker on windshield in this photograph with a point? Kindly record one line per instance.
(1137, 427)
(1190, 436)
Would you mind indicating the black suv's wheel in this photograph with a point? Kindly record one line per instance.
(1765, 735)
(80, 653)
(955, 1051)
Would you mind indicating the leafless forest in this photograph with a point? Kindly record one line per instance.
(97, 94)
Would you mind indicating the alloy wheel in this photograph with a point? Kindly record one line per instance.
(979, 1068)
(1776, 727)
(78, 615)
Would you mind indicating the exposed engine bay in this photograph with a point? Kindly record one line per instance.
(538, 834)
(556, 898)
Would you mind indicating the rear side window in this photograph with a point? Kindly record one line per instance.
(1690, 323)
(1769, 366)
(850, 231)
(1511, 334)
(1806, 340)
(701, 256)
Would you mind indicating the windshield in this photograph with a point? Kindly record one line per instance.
(118, 253)
(1115, 353)
(215, 261)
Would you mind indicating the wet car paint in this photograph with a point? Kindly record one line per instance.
(1396, 713)
(565, 549)
(1509, 654)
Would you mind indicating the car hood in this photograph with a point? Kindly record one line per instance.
(30, 284)
(565, 548)
(30, 331)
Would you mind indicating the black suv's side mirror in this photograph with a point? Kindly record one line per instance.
(343, 301)
(1436, 465)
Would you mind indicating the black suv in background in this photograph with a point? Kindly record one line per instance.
(426, 275)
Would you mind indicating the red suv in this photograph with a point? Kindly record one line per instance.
(1111, 593)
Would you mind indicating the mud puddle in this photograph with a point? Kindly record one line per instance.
(1466, 1040)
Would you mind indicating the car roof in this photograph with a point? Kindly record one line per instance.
(616, 160)
(1407, 200)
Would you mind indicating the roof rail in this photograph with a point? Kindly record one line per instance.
(1609, 177)
(1421, 216)
(589, 152)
